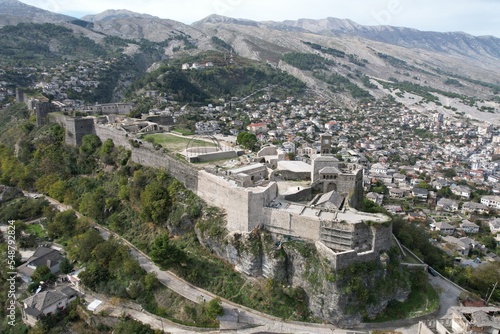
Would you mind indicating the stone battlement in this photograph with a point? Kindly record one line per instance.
(250, 199)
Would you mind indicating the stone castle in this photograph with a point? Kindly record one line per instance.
(261, 194)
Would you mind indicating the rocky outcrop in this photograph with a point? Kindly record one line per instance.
(9, 193)
(342, 297)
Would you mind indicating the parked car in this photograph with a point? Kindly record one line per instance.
(431, 271)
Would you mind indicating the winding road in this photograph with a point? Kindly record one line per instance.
(240, 319)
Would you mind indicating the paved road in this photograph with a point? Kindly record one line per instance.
(448, 293)
(135, 311)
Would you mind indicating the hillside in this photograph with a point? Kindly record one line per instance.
(451, 42)
(130, 25)
(226, 78)
(348, 67)
(351, 62)
(45, 44)
(13, 12)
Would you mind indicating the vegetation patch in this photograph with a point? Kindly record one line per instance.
(175, 143)
(422, 300)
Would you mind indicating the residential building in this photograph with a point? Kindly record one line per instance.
(396, 193)
(447, 204)
(420, 193)
(42, 256)
(257, 127)
(379, 168)
(442, 227)
(375, 197)
(46, 303)
(494, 226)
(462, 191)
(472, 207)
(460, 245)
(464, 320)
(469, 227)
(491, 201)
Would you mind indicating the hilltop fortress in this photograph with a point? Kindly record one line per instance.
(321, 209)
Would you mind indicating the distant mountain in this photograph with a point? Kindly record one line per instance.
(449, 42)
(14, 12)
(338, 59)
(130, 25)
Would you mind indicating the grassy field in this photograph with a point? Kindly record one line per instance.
(37, 230)
(175, 143)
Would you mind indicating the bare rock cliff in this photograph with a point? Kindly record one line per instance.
(342, 297)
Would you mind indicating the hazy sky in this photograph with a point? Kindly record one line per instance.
(477, 17)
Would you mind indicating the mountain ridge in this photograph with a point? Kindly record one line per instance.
(352, 59)
(14, 12)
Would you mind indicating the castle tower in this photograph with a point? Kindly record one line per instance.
(19, 95)
(326, 144)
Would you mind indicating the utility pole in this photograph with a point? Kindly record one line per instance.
(487, 300)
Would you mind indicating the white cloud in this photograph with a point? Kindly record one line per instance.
(475, 17)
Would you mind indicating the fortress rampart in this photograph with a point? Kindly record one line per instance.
(345, 236)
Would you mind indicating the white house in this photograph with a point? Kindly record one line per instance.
(442, 227)
(378, 168)
(491, 201)
(469, 227)
(494, 225)
(375, 198)
(447, 204)
(474, 207)
(396, 193)
(462, 191)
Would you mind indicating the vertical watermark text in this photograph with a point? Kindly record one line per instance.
(11, 273)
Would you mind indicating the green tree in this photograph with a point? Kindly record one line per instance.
(107, 152)
(65, 266)
(214, 308)
(93, 204)
(156, 203)
(444, 192)
(130, 326)
(81, 246)
(450, 172)
(44, 274)
(93, 275)
(246, 139)
(164, 252)
(484, 277)
(63, 225)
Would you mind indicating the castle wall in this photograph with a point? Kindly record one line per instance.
(301, 195)
(146, 155)
(75, 128)
(245, 208)
(282, 222)
(221, 193)
(382, 236)
(42, 110)
(213, 156)
(257, 201)
(343, 236)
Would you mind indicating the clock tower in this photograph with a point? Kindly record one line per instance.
(326, 144)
